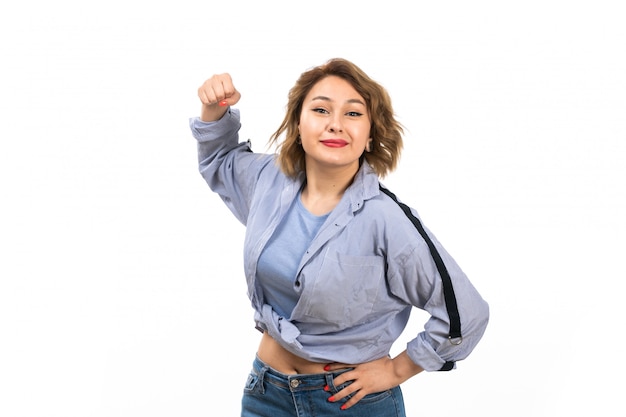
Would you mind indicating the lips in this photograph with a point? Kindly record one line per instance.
(335, 143)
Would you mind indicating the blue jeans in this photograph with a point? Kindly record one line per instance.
(268, 393)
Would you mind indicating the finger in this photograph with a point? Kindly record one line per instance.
(231, 100)
(224, 89)
(204, 97)
(226, 84)
(350, 390)
(207, 94)
(216, 89)
(353, 400)
(334, 366)
(349, 375)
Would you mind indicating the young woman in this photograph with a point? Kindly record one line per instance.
(334, 265)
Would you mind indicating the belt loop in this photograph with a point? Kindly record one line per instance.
(329, 380)
(261, 382)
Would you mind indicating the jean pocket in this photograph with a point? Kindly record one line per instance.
(252, 383)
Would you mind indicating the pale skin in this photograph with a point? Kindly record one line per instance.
(334, 129)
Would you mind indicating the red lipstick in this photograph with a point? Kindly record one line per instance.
(335, 143)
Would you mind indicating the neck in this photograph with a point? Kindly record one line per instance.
(324, 189)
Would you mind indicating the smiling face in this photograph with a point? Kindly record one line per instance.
(334, 126)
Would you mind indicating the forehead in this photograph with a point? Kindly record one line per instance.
(333, 88)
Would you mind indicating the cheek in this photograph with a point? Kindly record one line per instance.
(309, 126)
(361, 134)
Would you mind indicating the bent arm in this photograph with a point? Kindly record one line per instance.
(417, 281)
(228, 166)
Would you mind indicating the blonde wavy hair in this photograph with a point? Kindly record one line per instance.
(386, 132)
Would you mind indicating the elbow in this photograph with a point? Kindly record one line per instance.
(481, 317)
(486, 313)
(483, 313)
(475, 324)
(479, 322)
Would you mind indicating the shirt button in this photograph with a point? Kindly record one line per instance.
(294, 383)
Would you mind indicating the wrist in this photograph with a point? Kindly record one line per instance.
(212, 112)
(404, 367)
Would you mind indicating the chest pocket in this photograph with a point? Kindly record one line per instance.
(345, 290)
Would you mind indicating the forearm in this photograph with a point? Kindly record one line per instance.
(212, 112)
(404, 367)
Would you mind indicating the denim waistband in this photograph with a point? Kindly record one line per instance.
(294, 382)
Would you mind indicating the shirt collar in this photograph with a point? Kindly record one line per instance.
(364, 186)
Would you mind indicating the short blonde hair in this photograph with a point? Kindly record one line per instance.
(385, 131)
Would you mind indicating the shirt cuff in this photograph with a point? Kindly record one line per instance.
(206, 131)
(423, 354)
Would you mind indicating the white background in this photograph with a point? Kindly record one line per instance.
(121, 288)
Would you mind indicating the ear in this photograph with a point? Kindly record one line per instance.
(368, 146)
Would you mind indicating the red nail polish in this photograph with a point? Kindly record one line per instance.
(343, 407)
(331, 399)
(327, 368)
(326, 388)
(223, 103)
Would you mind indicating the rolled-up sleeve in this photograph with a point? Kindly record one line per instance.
(418, 281)
(229, 167)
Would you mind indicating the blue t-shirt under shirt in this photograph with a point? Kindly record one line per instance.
(279, 261)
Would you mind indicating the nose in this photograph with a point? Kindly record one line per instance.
(334, 124)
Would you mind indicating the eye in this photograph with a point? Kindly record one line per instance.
(320, 110)
(354, 114)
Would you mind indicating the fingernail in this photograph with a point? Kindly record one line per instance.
(223, 103)
(331, 399)
(326, 388)
(343, 407)
(327, 368)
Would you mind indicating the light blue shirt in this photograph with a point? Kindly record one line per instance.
(277, 269)
(361, 275)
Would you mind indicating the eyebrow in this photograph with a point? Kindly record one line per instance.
(324, 98)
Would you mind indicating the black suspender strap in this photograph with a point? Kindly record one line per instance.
(454, 335)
